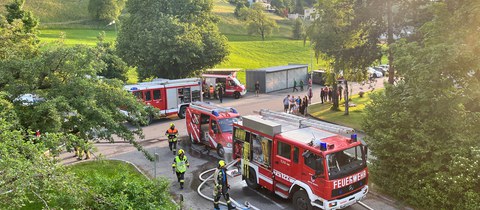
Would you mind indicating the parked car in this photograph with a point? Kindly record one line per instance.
(384, 71)
(374, 73)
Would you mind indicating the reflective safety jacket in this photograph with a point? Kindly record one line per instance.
(180, 165)
(172, 134)
(220, 179)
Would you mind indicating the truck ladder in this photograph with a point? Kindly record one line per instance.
(304, 122)
(160, 81)
(209, 107)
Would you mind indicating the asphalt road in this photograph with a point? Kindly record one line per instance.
(200, 160)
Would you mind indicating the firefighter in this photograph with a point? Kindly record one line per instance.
(221, 186)
(179, 166)
(172, 134)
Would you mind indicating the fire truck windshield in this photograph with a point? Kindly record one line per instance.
(237, 83)
(226, 125)
(345, 162)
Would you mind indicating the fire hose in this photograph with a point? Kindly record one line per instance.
(247, 205)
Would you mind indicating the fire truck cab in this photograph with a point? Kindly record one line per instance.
(171, 97)
(301, 159)
(212, 125)
(232, 86)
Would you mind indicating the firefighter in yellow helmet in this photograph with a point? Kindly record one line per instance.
(179, 166)
(221, 186)
(172, 134)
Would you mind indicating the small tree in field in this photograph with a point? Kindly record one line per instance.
(258, 22)
(105, 10)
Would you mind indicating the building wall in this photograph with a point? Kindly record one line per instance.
(276, 80)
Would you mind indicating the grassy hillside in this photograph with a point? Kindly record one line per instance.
(61, 14)
(55, 11)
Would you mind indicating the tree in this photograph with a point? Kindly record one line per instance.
(25, 172)
(430, 110)
(170, 39)
(15, 11)
(258, 22)
(240, 5)
(116, 67)
(349, 47)
(299, 29)
(105, 10)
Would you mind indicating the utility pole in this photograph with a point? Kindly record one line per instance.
(157, 157)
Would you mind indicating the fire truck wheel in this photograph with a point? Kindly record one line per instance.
(148, 120)
(220, 151)
(236, 95)
(301, 200)
(181, 113)
(252, 179)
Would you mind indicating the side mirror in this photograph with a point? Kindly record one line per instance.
(318, 175)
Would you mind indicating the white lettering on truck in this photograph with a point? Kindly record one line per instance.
(339, 183)
(283, 176)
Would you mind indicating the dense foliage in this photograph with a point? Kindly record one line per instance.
(15, 12)
(105, 10)
(170, 39)
(57, 91)
(337, 36)
(299, 29)
(423, 131)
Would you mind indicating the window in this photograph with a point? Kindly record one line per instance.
(295, 154)
(148, 96)
(284, 150)
(344, 162)
(215, 126)
(314, 162)
(227, 124)
(156, 94)
(138, 95)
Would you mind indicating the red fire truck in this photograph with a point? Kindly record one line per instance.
(232, 86)
(171, 97)
(211, 125)
(301, 159)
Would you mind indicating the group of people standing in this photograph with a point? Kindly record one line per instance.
(326, 93)
(296, 105)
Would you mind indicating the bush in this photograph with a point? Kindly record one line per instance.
(361, 93)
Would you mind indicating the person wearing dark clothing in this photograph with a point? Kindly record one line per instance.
(221, 186)
(322, 95)
(257, 88)
(340, 91)
(220, 93)
(295, 85)
(286, 103)
(301, 85)
(172, 134)
(305, 105)
(330, 94)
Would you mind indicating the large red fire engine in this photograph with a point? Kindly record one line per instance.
(301, 159)
(171, 97)
(211, 125)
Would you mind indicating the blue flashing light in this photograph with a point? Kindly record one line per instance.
(215, 113)
(323, 146)
(234, 110)
(134, 88)
(354, 137)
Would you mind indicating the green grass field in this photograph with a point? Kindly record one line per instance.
(356, 114)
